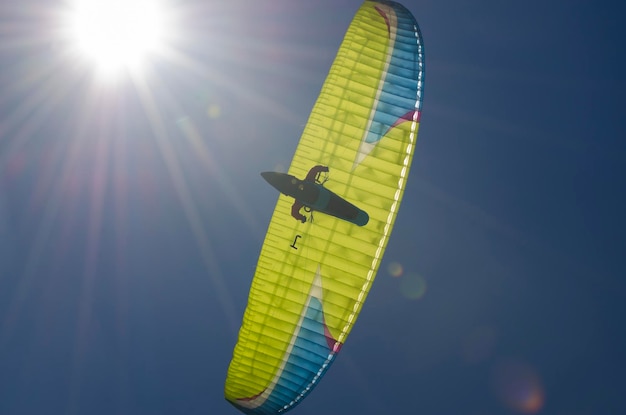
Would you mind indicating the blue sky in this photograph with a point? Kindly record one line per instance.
(132, 213)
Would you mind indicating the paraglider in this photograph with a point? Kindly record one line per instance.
(316, 268)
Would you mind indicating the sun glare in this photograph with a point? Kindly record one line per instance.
(116, 33)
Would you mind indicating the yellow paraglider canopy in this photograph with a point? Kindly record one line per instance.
(326, 238)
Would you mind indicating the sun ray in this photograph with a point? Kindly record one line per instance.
(173, 166)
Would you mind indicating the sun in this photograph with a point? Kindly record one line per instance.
(116, 34)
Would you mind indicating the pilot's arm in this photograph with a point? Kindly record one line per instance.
(315, 171)
(295, 211)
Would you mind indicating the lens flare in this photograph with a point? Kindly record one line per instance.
(518, 386)
(395, 269)
(214, 111)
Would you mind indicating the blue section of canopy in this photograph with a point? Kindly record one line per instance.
(308, 361)
(398, 97)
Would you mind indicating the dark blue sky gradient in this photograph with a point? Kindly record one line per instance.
(132, 213)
